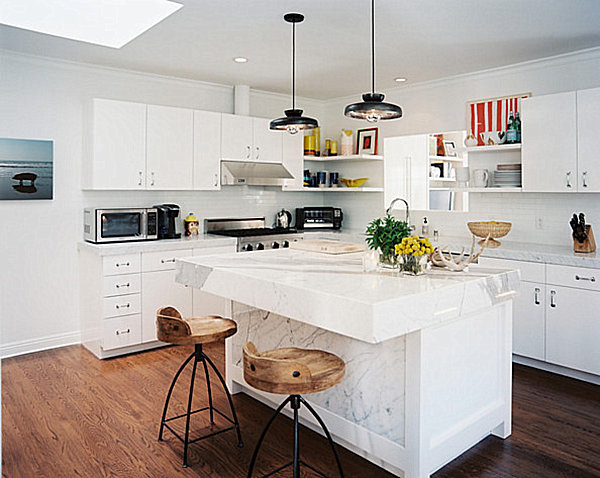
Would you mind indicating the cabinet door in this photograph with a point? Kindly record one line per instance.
(406, 170)
(529, 321)
(573, 328)
(267, 144)
(293, 160)
(118, 145)
(236, 137)
(170, 139)
(588, 126)
(549, 149)
(207, 150)
(159, 289)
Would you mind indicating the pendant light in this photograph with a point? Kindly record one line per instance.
(372, 108)
(293, 121)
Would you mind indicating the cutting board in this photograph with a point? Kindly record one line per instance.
(327, 247)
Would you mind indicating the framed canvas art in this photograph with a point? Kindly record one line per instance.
(366, 141)
(26, 169)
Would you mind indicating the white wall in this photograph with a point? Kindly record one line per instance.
(440, 106)
(42, 98)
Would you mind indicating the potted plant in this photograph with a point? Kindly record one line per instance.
(383, 234)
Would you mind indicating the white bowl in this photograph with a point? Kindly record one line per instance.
(490, 138)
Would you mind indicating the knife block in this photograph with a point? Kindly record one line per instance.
(589, 245)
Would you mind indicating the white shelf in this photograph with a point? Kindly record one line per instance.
(443, 180)
(489, 190)
(352, 157)
(498, 147)
(447, 159)
(344, 190)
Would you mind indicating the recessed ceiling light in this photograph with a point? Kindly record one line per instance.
(400, 79)
(111, 23)
(240, 59)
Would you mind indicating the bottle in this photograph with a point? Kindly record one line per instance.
(518, 126)
(511, 130)
(425, 227)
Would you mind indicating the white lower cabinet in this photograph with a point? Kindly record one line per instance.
(121, 332)
(573, 328)
(529, 321)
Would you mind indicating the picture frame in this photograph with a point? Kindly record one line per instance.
(450, 148)
(366, 141)
(491, 114)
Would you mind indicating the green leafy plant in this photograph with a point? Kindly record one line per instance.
(384, 233)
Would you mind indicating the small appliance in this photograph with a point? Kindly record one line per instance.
(252, 233)
(167, 226)
(283, 220)
(120, 225)
(319, 217)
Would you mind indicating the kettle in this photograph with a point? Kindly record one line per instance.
(283, 220)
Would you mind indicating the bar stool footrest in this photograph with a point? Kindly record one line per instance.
(184, 415)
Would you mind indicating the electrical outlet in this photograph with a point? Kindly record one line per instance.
(539, 222)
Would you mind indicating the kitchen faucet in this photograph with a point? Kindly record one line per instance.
(389, 209)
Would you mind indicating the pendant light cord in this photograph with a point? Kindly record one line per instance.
(293, 66)
(373, 46)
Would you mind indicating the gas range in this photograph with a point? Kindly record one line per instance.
(252, 233)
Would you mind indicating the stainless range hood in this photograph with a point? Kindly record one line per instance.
(240, 173)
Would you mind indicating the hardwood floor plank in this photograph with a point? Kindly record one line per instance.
(67, 414)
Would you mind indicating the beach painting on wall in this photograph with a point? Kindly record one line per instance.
(26, 168)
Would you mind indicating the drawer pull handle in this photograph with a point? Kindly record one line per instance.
(537, 296)
(122, 332)
(569, 179)
(124, 306)
(584, 178)
(118, 286)
(552, 301)
(164, 261)
(123, 264)
(591, 279)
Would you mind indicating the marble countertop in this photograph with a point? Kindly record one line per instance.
(205, 240)
(333, 292)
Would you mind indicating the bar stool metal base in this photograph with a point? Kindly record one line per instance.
(198, 356)
(295, 402)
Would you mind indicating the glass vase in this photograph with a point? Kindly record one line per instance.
(413, 265)
(388, 261)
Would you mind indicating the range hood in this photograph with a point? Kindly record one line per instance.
(240, 173)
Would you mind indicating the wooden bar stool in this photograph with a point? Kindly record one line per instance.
(173, 329)
(293, 371)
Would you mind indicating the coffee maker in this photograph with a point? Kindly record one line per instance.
(167, 213)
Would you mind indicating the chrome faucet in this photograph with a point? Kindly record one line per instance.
(389, 209)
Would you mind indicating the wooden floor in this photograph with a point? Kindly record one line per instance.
(67, 414)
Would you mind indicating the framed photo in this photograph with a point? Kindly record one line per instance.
(366, 141)
(491, 114)
(26, 168)
(449, 147)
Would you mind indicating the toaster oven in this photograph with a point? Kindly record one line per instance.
(319, 217)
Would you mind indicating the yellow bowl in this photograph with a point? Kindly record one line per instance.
(353, 183)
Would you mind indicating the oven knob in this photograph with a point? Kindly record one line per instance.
(248, 248)
(286, 244)
(260, 246)
(275, 245)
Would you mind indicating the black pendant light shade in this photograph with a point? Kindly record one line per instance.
(293, 121)
(372, 108)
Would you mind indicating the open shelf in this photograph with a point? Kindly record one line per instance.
(447, 159)
(489, 190)
(352, 157)
(442, 180)
(498, 147)
(344, 190)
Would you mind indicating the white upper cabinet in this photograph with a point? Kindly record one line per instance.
(236, 137)
(588, 127)
(169, 153)
(207, 150)
(118, 146)
(549, 136)
(293, 160)
(244, 138)
(267, 144)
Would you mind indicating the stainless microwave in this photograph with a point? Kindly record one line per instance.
(120, 225)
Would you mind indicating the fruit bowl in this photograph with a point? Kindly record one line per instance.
(491, 229)
(353, 183)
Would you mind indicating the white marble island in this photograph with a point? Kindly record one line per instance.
(428, 358)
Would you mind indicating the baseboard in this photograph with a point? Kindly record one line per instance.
(37, 345)
(548, 367)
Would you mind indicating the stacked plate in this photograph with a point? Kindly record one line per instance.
(507, 179)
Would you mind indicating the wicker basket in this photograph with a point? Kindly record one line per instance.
(493, 229)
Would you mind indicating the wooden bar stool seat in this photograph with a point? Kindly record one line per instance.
(174, 329)
(293, 371)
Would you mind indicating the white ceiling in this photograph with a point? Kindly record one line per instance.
(419, 39)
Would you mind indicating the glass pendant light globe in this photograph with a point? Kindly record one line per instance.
(293, 121)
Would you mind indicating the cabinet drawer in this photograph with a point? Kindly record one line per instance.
(125, 264)
(121, 331)
(162, 260)
(530, 271)
(579, 277)
(122, 284)
(122, 305)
